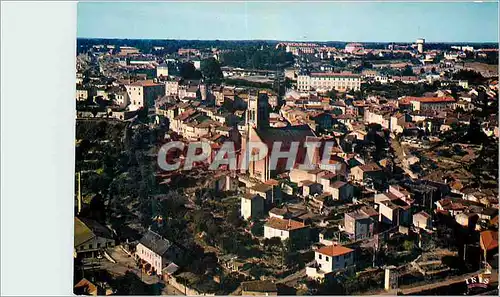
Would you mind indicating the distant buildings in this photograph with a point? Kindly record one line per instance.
(354, 48)
(328, 81)
(128, 50)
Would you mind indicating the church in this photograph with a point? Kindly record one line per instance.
(258, 130)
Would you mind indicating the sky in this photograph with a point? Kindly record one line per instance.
(298, 21)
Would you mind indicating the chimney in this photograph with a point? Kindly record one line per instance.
(289, 224)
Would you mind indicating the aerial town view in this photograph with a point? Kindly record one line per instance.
(267, 148)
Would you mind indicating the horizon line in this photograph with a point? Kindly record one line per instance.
(281, 40)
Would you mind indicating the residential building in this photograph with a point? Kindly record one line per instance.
(172, 87)
(143, 94)
(361, 173)
(422, 220)
(162, 70)
(252, 206)
(394, 212)
(296, 232)
(85, 287)
(431, 103)
(361, 223)
(329, 259)
(156, 252)
(488, 240)
(91, 238)
(341, 190)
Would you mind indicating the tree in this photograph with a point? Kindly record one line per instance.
(210, 68)
(408, 71)
(188, 71)
(408, 245)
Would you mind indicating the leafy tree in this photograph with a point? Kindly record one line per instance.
(408, 245)
(408, 71)
(210, 68)
(188, 71)
(471, 76)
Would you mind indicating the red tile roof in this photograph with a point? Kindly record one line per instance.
(489, 240)
(431, 99)
(280, 224)
(334, 250)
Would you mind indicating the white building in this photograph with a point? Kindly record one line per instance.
(328, 81)
(329, 259)
(252, 206)
(286, 229)
(142, 94)
(162, 70)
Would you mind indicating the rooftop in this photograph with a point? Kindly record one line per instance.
(280, 224)
(259, 286)
(431, 99)
(334, 250)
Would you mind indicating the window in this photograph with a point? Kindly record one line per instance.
(98, 245)
(327, 259)
(320, 257)
(90, 246)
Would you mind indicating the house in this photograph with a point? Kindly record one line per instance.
(400, 193)
(156, 252)
(467, 219)
(394, 212)
(296, 232)
(259, 288)
(422, 220)
(85, 287)
(91, 238)
(142, 94)
(311, 188)
(361, 223)
(341, 190)
(329, 259)
(431, 103)
(488, 240)
(299, 176)
(321, 200)
(252, 206)
(361, 173)
(269, 190)
(162, 70)
(452, 207)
